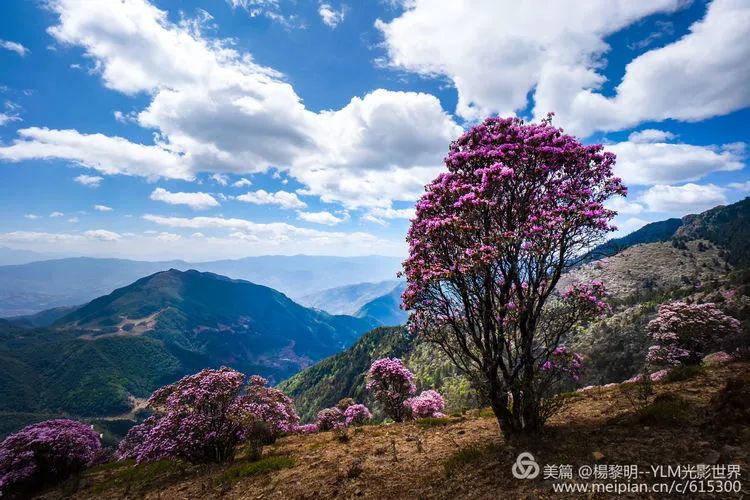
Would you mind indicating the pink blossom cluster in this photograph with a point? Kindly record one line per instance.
(306, 429)
(563, 362)
(357, 414)
(682, 333)
(491, 168)
(45, 453)
(429, 404)
(718, 358)
(391, 384)
(203, 417)
(588, 296)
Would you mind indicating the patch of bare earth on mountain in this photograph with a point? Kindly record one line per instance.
(465, 457)
(126, 327)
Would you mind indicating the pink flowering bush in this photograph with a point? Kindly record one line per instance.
(428, 404)
(356, 414)
(328, 418)
(518, 205)
(683, 333)
(204, 417)
(718, 358)
(563, 363)
(659, 375)
(391, 384)
(45, 453)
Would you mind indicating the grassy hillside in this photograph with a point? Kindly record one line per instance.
(699, 420)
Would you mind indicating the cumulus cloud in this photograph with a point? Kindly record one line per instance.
(740, 186)
(89, 180)
(220, 179)
(216, 110)
(283, 199)
(196, 201)
(242, 183)
(31, 216)
(56, 214)
(688, 198)
(643, 163)
(556, 54)
(109, 155)
(651, 135)
(330, 16)
(102, 208)
(622, 206)
(14, 47)
(323, 217)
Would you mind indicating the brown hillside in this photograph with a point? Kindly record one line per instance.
(692, 421)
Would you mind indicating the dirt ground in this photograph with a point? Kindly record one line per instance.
(466, 457)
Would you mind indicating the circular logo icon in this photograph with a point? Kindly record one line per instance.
(525, 466)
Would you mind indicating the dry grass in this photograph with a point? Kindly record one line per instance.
(463, 458)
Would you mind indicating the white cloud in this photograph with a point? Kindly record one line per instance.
(330, 16)
(555, 53)
(102, 208)
(627, 226)
(651, 135)
(89, 180)
(110, 155)
(242, 183)
(220, 179)
(56, 214)
(14, 47)
(740, 186)
(102, 235)
(216, 110)
(7, 118)
(73, 220)
(622, 206)
(196, 201)
(643, 163)
(689, 198)
(323, 217)
(283, 199)
(31, 216)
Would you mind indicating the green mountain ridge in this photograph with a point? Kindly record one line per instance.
(95, 359)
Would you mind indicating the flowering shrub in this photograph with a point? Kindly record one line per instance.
(428, 404)
(345, 403)
(328, 418)
(659, 375)
(563, 362)
(45, 453)
(518, 204)
(683, 333)
(357, 414)
(391, 384)
(203, 417)
(718, 358)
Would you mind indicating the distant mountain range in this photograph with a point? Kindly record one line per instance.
(347, 299)
(96, 358)
(37, 286)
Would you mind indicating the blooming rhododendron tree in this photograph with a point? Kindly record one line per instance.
(357, 414)
(428, 404)
(328, 418)
(518, 205)
(391, 384)
(203, 417)
(683, 333)
(45, 453)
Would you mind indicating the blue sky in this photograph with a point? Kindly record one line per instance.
(200, 130)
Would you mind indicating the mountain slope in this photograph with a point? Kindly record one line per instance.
(347, 299)
(386, 309)
(95, 359)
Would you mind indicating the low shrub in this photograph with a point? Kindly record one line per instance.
(667, 410)
(256, 468)
(467, 456)
(684, 372)
(429, 422)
